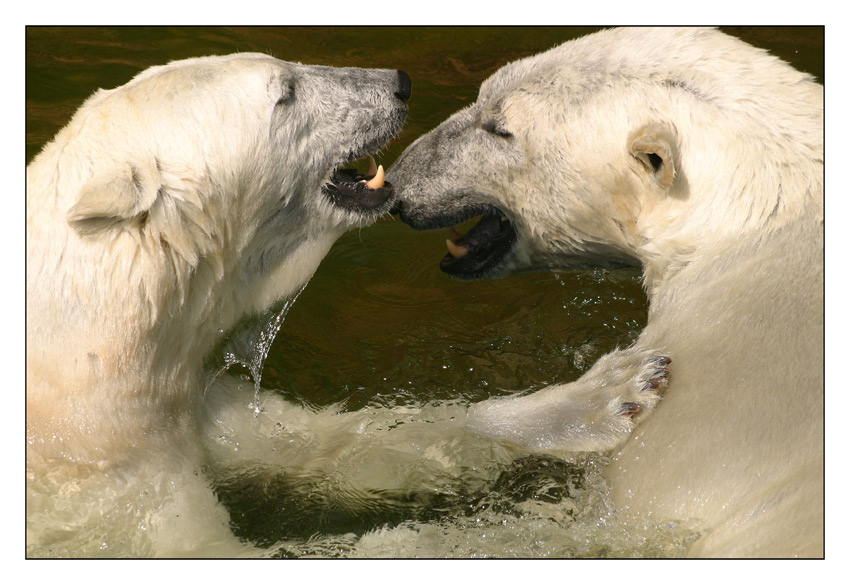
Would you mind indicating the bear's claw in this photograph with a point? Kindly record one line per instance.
(629, 408)
(653, 380)
(652, 384)
(658, 379)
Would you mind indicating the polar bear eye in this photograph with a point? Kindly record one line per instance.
(285, 99)
(655, 161)
(493, 127)
(286, 94)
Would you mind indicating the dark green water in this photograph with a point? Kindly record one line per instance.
(379, 321)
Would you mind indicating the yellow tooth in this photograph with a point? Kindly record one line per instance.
(457, 250)
(378, 180)
(453, 234)
(373, 168)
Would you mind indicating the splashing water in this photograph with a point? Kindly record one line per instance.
(249, 345)
(386, 480)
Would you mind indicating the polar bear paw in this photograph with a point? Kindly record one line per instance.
(653, 378)
(597, 412)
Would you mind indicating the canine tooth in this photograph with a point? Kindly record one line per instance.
(457, 250)
(378, 180)
(453, 234)
(373, 168)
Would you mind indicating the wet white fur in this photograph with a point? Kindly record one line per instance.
(166, 210)
(701, 157)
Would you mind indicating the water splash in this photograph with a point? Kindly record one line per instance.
(248, 345)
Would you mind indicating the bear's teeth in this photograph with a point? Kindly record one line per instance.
(453, 234)
(457, 250)
(378, 180)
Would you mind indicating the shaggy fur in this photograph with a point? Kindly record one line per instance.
(701, 158)
(165, 211)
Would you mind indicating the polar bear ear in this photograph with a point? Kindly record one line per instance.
(654, 147)
(118, 194)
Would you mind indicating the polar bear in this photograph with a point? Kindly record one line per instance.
(699, 157)
(167, 209)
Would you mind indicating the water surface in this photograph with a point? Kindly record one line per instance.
(380, 325)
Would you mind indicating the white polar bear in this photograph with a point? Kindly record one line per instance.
(701, 158)
(167, 209)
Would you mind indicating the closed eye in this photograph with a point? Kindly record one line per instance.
(287, 94)
(285, 99)
(492, 127)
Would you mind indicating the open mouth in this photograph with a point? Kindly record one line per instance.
(482, 249)
(353, 191)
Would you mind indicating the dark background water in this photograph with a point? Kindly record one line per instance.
(379, 321)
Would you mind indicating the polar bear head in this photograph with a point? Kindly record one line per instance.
(627, 145)
(198, 192)
(230, 160)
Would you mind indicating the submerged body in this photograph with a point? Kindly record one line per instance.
(700, 158)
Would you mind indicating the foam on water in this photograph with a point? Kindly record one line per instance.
(387, 481)
(397, 475)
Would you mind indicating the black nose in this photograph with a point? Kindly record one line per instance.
(404, 86)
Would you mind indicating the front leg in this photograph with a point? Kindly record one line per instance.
(597, 412)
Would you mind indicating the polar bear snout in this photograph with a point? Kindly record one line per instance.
(369, 193)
